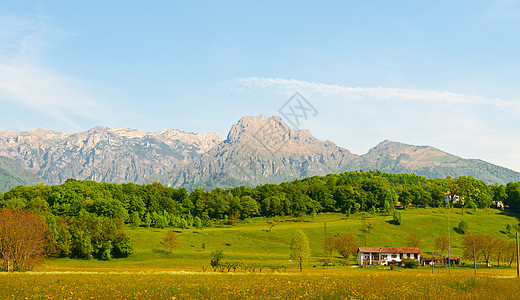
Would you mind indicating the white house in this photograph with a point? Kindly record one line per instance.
(453, 199)
(369, 256)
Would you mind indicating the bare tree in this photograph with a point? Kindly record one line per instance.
(510, 252)
(23, 240)
(171, 240)
(488, 245)
(329, 244)
(500, 250)
(442, 243)
(414, 240)
(346, 245)
(271, 225)
(485, 246)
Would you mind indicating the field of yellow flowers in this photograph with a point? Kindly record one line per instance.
(374, 284)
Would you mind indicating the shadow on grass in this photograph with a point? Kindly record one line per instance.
(392, 222)
(510, 213)
(160, 251)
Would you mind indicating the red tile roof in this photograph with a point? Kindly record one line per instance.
(388, 250)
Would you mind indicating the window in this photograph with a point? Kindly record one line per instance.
(394, 255)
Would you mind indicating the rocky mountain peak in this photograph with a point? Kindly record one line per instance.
(387, 146)
(257, 127)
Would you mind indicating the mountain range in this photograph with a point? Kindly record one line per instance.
(257, 150)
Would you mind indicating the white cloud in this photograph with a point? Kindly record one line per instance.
(289, 86)
(357, 118)
(25, 80)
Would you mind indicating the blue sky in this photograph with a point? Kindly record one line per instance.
(442, 73)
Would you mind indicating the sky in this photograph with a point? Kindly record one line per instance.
(438, 73)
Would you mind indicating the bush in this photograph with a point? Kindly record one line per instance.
(463, 227)
(410, 263)
(216, 257)
(397, 217)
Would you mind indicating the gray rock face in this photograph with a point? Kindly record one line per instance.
(265, 150)
(257, 150)
(104, 154)
(395, 157)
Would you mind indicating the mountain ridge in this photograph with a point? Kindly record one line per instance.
(257, 150)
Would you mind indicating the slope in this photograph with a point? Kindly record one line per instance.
(12, 174)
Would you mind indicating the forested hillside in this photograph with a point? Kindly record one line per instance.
(157, 205)
(13, 174)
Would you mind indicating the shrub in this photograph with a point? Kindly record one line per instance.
(410, 263)
(397, 217)
(216, 257)
(463, 227)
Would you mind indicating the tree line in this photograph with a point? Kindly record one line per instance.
(160, 206)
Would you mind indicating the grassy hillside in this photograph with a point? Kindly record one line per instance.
(12, 174)
(253, 243)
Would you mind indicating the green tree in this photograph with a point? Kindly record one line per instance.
(216, 258)
(397, 217)
(300, 249)
(463, 227)
(197, 223)
(147, 220)
(135, 220)
(513, 194)
(122, 246)
(159, 221)
(249, 207)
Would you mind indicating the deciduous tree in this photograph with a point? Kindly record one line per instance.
(23, 242)
(135, 220)
(442, 243)
(463, 227)
(171, 240)
(329, 244)
(346, 245)
(414, 240)
(300, 249)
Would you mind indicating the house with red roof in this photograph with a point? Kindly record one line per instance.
(384, 256)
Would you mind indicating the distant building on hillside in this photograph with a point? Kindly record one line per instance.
(384, 256)
(497, 204)
(453, 198)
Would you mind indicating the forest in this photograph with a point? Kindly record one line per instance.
(157, 205)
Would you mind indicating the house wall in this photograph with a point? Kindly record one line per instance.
(364, 258)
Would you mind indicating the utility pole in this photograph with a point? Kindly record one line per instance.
(474, 257)
(324, 239)
(433, 264)
(449, 242)
(517, 257)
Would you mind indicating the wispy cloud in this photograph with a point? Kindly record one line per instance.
(320, 89)
(359, 117)
(26, 81)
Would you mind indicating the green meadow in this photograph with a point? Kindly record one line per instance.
(251, 242)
